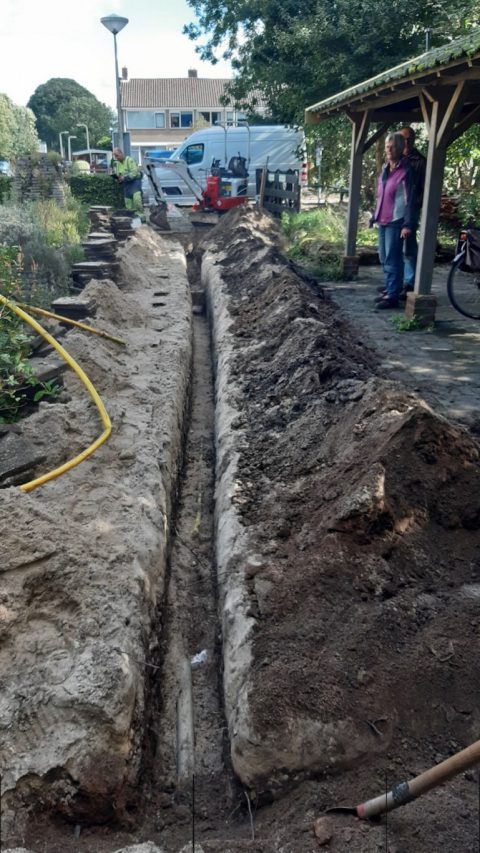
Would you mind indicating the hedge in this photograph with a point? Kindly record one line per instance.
(97, 189)
(5, 188)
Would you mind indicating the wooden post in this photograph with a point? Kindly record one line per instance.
(360, 124)
(356, 158)
(442, 117)
(263, 181)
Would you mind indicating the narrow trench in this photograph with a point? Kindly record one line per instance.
(191, 778)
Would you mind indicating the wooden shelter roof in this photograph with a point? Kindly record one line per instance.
(394, 93)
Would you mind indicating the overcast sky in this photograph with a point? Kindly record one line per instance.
(40, 39)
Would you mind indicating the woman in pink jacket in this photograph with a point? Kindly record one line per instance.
(394, 217)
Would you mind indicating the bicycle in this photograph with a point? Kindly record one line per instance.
(463, 285)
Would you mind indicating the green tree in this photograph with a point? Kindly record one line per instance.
(60, 103)
(7, 127)
(299, 53)
(25, 136)
(18, 134)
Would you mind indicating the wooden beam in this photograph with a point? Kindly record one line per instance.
(426, 107)
(403, 93)
(392, 116)
(360, 125)
(472, 73)
(431, 203)
(451, 114)
(465, 122)
(378, 133)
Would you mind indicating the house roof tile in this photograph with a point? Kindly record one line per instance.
(172, 92)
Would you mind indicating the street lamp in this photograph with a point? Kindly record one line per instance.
(80, 124)
(70, 148)
(115, 23)
(62, 152)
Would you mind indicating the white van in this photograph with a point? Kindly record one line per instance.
(275, 146)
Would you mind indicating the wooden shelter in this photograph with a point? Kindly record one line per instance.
(441, 87)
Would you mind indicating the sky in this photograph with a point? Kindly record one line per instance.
(40, 39)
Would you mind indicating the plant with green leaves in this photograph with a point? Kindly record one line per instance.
(97, 189)
(412, 324)
(16, 374)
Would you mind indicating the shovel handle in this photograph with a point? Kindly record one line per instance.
(405, 792)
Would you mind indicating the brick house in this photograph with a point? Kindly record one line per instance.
(160, 112)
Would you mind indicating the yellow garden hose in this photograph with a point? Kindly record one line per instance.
(72, 323)
(28, 487)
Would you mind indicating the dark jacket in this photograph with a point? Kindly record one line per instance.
(418, 165)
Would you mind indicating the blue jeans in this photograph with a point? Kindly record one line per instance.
(390, 249)
(410, 251)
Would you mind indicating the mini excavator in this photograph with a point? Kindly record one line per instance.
(226, 186)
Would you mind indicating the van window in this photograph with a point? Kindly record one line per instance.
(193, 154)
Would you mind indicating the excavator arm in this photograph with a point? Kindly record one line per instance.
(181, 169)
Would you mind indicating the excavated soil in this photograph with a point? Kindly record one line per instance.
(362, 508)
(347, 537)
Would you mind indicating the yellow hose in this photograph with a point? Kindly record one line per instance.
(33, 484)
(72, 323)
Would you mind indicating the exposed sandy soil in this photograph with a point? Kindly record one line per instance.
(358, 510)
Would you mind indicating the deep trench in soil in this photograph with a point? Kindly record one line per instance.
(188, 790)
(190, 767)
(358, 593)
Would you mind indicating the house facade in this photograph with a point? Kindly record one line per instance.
(160, 112)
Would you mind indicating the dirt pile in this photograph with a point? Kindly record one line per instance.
(83, 557)
(349, 566)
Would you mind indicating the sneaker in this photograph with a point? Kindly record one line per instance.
(386, 303)
(381, 289)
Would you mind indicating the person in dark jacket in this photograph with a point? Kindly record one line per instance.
(395, 217)
(418, 166)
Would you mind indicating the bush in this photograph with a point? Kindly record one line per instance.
(468, 208)
(5, 188)
(61, 226)
(16, 225)
(48, 238)
(97, 189)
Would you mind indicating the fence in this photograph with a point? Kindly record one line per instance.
(278, 191)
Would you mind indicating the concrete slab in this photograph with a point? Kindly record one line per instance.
(441, 363)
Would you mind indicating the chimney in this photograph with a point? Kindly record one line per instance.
(192, 72)
(124, 73)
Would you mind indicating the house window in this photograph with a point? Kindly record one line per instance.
(234, 116)
(210, 116)
(143, 119)
(182, 119)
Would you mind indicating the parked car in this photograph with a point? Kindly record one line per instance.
(6, 169)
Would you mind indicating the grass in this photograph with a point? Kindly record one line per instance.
(402, 324)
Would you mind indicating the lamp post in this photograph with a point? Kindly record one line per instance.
(81, 124)
(115, 23)
(70, 147)
(62, 152)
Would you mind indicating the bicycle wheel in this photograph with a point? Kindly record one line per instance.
(463, 289)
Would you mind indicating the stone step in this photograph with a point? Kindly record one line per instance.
(74, 307)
